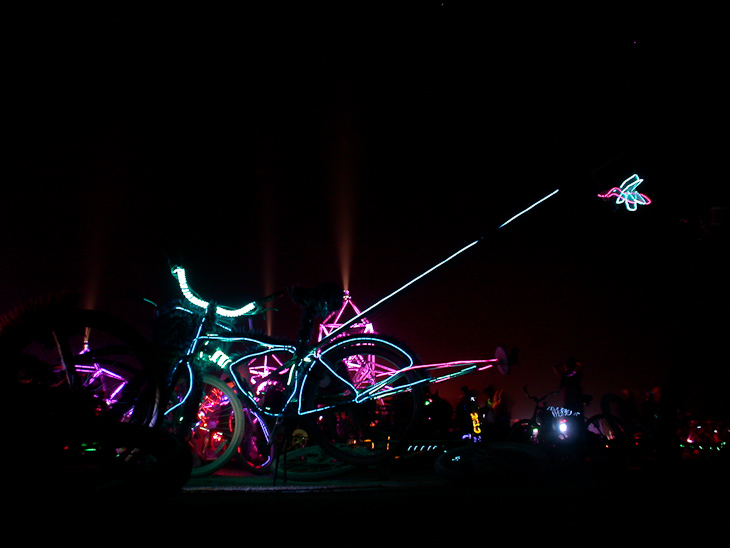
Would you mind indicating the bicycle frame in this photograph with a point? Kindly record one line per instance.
(302, 362)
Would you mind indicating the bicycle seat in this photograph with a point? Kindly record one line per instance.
(321, 299)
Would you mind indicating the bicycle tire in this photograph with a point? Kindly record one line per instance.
(492, 460)
(95, 356)
(256, 452)
(524, 431)
(142, 460)
(311, 463)
(606, 438)
(216, 435)
(367, 432)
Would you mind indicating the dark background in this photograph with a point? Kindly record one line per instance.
(271, 148)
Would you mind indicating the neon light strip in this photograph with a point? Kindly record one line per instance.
(369, 394)
(267, 435)
(377, 390)
(443, 378)
(95, 372)
(271, 348)
(187, 395)
(179, 273)
(553, 193)
(358, 397)
(445, 365)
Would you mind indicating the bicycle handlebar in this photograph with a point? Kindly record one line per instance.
(319, 300)
(250, 309)
(535, 398)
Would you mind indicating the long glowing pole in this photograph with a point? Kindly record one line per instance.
(414, 280)
(553, 193)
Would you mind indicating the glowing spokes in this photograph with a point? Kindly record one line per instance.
(208, 435)
(366, 370)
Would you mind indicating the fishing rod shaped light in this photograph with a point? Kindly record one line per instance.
(508, 221)
(414, 280)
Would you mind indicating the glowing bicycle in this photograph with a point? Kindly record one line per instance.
(357, 419)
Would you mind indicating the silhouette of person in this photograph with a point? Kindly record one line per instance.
(571, 375)
(495, 413)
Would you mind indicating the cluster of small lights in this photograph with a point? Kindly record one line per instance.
(423, 448)
(703, 447)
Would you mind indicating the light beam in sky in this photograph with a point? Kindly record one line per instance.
(344, 219)
(344, 175)
(267, 238)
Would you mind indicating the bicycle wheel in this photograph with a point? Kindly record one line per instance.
(132, 458)
(217, 432)
(498, 460)
(606, 438)
(182, 399)
(310, 464)
(255, 453)
(524, 431)
(368, 430)
(97, 357)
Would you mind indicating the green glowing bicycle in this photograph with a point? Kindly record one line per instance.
(359, 419)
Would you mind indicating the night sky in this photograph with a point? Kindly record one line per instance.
(274, 149)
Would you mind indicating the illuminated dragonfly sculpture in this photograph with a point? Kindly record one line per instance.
(627, 193)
